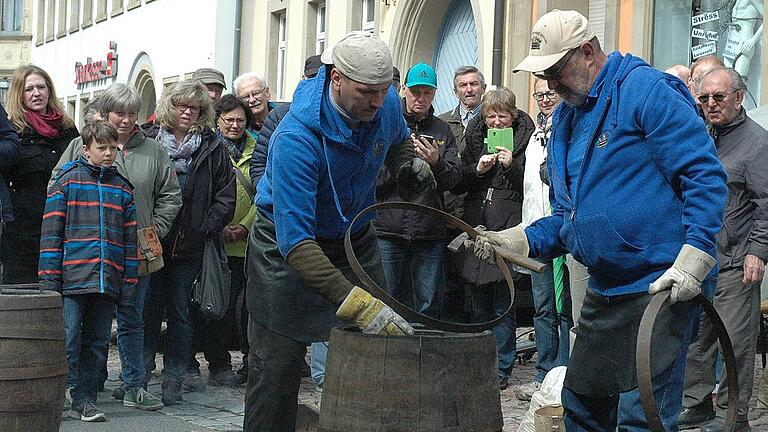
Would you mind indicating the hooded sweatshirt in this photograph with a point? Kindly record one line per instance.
(634, 176)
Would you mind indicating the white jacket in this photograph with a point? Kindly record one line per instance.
(535, 192)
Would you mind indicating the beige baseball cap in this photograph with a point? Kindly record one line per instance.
(361, 57)
(553, 35)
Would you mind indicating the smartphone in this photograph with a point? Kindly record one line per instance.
(500, 138)
(429, 138)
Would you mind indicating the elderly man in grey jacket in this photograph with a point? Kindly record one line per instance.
(742, 147)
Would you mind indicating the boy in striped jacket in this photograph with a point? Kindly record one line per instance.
(88, 254)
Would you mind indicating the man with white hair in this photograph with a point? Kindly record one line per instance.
(252, 89)
(640, 213)
(322, 167)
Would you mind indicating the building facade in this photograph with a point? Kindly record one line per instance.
(15, 38)
(86, 45)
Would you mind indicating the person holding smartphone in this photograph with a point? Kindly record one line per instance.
(494, 185)
(413, 244)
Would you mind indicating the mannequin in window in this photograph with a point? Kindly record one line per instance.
(745, 15)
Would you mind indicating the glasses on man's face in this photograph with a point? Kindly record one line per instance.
(550, 95)
(556, 71)
(717, 97)
(181, 108)
(252, 95)
(229, 121)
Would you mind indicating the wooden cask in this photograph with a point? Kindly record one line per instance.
(33, 360)
(431, 381)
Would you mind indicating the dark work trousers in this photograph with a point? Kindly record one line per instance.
(274, 377)
(739, 308)
(212, 337)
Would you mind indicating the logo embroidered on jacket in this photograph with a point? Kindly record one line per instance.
(602, 140)
(378, 148)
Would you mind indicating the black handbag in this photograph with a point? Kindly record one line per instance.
(211, 288)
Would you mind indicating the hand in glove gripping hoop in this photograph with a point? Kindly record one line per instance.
(415, 179)
(371, 315)
(513, 239)
(685, 276)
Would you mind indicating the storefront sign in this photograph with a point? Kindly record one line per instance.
(704, 18)
(703, 49)
(97, 70)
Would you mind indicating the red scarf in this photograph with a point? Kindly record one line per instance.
(47, 125)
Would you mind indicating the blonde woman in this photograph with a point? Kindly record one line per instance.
(44, 130)
(200, 162)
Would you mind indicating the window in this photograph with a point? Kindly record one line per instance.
(101, 10)
(320, 29)
(74, 16)
(117, 7)
(12, 14)
(87, 13)
(369, 15)
(281, 47)
(62, 19)
(50, 15)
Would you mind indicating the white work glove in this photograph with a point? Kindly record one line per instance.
(685, 276)
(371, 315)
(513, 239)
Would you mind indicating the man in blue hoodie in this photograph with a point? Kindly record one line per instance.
(638, 195)
(321, 172)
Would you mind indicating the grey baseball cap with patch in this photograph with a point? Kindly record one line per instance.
(209, 76)
(362, 57)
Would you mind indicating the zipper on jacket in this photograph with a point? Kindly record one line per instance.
(101, 231)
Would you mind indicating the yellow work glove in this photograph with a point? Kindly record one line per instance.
(371, 315)
(685, 276)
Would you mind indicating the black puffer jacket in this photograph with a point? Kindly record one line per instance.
(408, 224)
(28, 186)
(494, 199)
(196, 218)
(259, 159)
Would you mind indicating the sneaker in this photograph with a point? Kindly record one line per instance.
(503, 382)
(225, 378)
(193, 382)
(142, 400)
(118, 393)
(171, 393)
(697, 415)
(525, 391)
(67, 399)
(87, 412)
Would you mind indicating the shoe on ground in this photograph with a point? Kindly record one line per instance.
(193, 382)
(225, 378)
(525, 392)
(697, 415)
(171, 393)
(718, 425)
(87, 412)
(118, 393)
(503, 382)
(67, 399)
(142, 400)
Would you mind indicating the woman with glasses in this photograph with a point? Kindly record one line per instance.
(233, 118)
(204, 171)
(44, 129)
(494, 185)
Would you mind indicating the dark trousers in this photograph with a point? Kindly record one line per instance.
(275, 362)
(212, 337)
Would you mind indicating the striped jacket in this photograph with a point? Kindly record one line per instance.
(88, 238)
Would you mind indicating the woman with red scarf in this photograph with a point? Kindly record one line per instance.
(45, 130)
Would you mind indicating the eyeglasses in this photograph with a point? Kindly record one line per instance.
(717, 97)
(555, 72)
(254, 94)
(550, 95)
(230, 121)
(192, 109)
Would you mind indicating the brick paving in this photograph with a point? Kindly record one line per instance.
(221, 409)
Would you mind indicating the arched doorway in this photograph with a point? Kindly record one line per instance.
(456, 46)
(145, 86)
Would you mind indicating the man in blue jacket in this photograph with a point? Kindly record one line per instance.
(638, 196)
(321, 172)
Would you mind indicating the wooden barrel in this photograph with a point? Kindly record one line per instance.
(431, 381)
(33, 360)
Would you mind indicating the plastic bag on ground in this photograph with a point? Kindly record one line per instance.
(547, 395)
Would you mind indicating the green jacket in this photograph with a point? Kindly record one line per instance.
(145, 163)
(245, 211)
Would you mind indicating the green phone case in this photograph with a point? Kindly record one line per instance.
(500, 138)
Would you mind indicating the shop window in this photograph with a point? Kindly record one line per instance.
(686, 30)
(12, 14)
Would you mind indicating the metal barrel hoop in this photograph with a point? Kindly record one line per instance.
(409, 314)
(643, 360)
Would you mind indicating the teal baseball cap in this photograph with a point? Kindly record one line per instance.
(421, 74)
